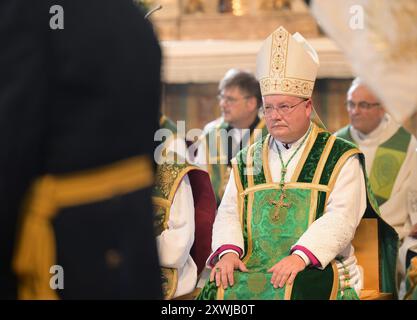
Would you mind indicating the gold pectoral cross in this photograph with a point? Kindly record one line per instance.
(278, 204)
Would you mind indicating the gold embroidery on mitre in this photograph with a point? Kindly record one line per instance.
(277, 82)
(279, 54)
(287, 86)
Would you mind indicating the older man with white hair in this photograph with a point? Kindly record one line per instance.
(390, 159)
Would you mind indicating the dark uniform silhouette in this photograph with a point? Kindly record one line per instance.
(78, 111)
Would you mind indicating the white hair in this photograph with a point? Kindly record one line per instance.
(356, 83)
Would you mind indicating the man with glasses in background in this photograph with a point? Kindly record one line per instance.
(294, 199)
(240, 125)
(390, 158)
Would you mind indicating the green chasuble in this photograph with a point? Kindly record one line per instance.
(269, 232)
(217, 149)
(389, 158)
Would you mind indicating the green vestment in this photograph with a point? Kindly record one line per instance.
(269, 233)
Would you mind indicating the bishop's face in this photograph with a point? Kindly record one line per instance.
(287, 118)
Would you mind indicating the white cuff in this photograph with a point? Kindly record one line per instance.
(227, 251)
(303, 256)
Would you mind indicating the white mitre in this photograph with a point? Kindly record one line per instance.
(287, 64)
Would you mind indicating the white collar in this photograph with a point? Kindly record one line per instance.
(291, 145)
(386, 128)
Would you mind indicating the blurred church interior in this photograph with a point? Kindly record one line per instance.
(202, 39)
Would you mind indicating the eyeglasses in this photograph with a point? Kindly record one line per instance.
(283, 109)
(362, 105)
(230, 100)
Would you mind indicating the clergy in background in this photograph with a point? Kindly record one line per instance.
(390, 159)
(295, 199)
(390, 153)
(240, 125)
(184, 210)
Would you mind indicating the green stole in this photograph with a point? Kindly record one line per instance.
(268, 240)
(216, 155)
(389, 158)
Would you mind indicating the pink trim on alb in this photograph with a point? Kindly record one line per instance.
(221, 249)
